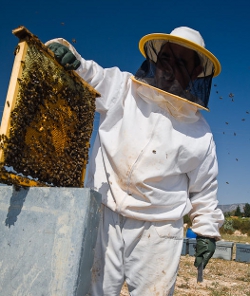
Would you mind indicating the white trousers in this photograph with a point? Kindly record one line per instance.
(144, 254)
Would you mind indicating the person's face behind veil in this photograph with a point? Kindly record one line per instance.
(176, 66)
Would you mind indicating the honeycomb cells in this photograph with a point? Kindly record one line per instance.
(51, 123)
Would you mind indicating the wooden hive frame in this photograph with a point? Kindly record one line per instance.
(68, 100)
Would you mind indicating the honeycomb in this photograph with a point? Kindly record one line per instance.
(48, 122)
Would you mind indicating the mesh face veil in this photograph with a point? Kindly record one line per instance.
(178, 65)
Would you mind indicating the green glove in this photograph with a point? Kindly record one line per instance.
(64, 56)
(205, 248)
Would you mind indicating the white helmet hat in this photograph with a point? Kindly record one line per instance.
(189, 34)
(150, 46)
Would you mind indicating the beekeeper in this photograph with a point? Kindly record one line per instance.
(153, 161)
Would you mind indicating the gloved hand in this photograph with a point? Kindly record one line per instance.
(205, 248)
(64, 56)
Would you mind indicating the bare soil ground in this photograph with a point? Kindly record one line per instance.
(220, 278)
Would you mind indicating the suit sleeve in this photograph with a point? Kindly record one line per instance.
(205, 216)
(109, 82)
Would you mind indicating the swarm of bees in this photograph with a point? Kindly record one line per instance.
(50, 124)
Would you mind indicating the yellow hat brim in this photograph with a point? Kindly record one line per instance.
(181, 41)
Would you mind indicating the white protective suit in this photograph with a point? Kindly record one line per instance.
(147, 164)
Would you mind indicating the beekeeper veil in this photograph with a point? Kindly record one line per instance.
(179, 65)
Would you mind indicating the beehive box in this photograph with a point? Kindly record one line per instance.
(191, 246)
(47, 120)
(224, 250)
(48, 235)
(242, 253)
(184, 250)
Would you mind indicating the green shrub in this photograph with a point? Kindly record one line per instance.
(227, 227)
(245, 225)
(231, 224)
(237, 224)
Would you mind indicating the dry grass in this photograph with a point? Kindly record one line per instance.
(221, 277)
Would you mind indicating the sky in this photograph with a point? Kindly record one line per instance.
(108, 31)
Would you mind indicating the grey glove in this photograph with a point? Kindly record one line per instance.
(205, 248)
(64, 56)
